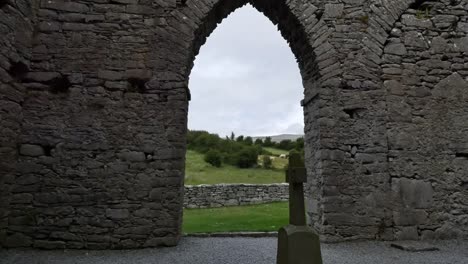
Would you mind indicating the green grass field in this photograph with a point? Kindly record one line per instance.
(277, 163)
(276, 151)
(197, 171)
(265, 217)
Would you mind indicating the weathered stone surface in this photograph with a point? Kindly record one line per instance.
(134, 156)
(46, 244)
(117, 213)
(396, 49)
(31, 150)
(453, 87)
(415, 194)
(407, 233)
(18, 240)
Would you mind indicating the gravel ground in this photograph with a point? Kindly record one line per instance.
(243, 250)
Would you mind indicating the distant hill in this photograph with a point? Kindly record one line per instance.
(278, 138)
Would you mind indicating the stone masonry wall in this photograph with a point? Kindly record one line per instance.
(425, 72)
(15, 43)
(220, 195)
(93, 131)
(102, 143)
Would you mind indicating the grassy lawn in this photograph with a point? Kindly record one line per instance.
(264, 217)
(277, 163)
(197, 172)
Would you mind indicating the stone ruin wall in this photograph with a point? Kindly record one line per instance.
(102, 144)
(221, 195)
(100, 116)
(15, 54)
(425, 73)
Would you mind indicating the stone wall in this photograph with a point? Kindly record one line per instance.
(15, 43)
(103, 136)
(220, 195)
(94, 94)
(425, 72)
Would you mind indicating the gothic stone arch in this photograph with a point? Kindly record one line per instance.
(94, 98)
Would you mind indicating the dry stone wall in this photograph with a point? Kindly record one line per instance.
(220, 195)
(94, 99)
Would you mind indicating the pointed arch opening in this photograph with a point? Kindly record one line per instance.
(301, 43)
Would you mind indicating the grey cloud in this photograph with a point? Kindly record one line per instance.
(246, 80)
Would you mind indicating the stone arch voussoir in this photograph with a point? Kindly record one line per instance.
(297, 22)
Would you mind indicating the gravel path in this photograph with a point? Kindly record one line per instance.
(243, 250)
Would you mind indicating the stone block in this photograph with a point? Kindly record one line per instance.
(65, 6)
(110, 75)
(31, 150)
(156, 194)
(334, 10)
(407, 233)
(18, 240)
(66, 236)
(417, 194)
(448, 231)
(396, 49)
(412, 21)
(47, 244)
(453, 87)
(134, 156)
(117, 214)
(407, 217)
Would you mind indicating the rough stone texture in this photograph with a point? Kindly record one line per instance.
(15, 50)
(98, 106)
(427, 121)
(219, 195)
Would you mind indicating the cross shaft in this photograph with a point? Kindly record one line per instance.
(296, 175)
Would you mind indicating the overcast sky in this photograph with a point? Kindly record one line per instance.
(246, 80)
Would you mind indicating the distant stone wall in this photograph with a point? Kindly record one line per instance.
(219, 195)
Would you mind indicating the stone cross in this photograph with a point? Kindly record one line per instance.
(297, 242)
(296, 176)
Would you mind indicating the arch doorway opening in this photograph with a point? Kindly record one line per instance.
(245, 116)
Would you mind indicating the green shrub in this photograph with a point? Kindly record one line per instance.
(267, 163)
(213, 157)
(247, 158)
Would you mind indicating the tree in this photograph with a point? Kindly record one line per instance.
(267, 142)
(248, 141)
(240, 139)
(213, 157)
(286, 144)
(258, 142)
(206, 141)
(299, 143)
(233, 136)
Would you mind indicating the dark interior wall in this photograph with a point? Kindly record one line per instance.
(15, 42)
